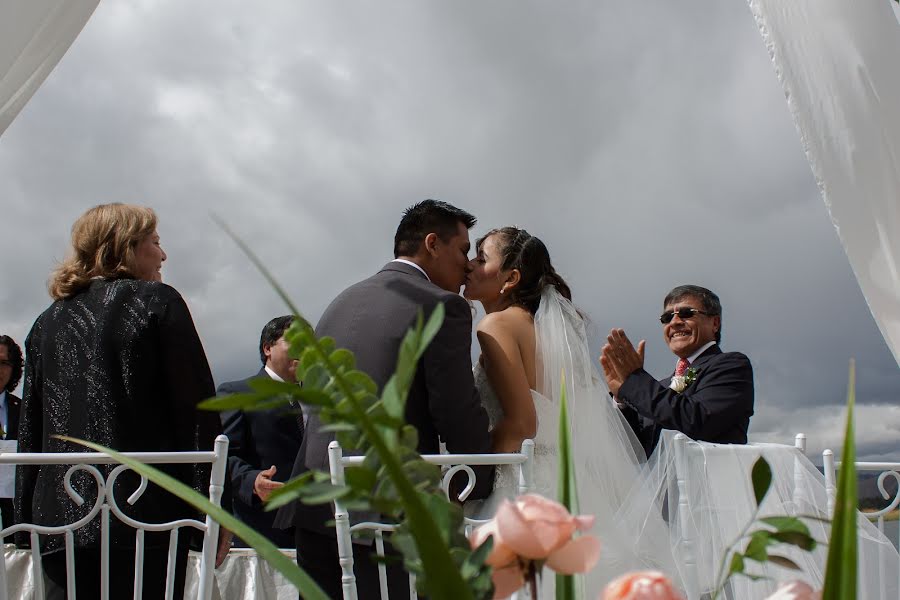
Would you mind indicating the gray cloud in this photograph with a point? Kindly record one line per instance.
(647, 144)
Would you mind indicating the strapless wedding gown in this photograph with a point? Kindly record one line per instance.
(546, 465)
(607, 456)
(618, 554)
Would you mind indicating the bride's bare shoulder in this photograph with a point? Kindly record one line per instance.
(511, 321)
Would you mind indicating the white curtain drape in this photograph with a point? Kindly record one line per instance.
(839, 64)
(34, 35)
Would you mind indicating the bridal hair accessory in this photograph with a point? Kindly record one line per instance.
(680, 382)
(532, 531)
(641, 585)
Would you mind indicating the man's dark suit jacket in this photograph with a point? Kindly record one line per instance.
(256, 441)
(12, 433)
(715, 407)
(370, 319)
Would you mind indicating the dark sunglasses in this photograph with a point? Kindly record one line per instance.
(683, 313)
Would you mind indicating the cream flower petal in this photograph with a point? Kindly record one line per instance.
(500, 554)
(578, 556)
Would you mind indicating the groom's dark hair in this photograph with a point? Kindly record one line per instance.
(428, 216)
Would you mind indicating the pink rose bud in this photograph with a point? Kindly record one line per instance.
(795, 590)
(641, 585)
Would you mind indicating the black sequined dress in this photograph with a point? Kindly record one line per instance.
(119, 364)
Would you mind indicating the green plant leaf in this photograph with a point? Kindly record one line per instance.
(786, 524)
(840, 573)
(795, 538)
(737, 563)
(266, 549)
(289, 492)
(762, 479)
(783, 561)
(757, 548)
(321, 492)
(565, 584)
(244, 401)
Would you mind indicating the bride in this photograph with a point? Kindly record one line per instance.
(531, 338)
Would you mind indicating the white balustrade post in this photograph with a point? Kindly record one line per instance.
(526, 469)
(830, 487)
(211, 540)
(688, 556)
(800, 442)
(342, 524)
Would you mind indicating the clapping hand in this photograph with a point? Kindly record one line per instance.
(265, 485)
(619, 359)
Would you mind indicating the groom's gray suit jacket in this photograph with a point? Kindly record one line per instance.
(370, 319)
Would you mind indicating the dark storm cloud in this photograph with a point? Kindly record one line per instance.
(648, 144)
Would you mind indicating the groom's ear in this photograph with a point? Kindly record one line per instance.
(431, 244)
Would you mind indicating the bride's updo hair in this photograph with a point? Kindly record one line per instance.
(103, 243)
(527, 253)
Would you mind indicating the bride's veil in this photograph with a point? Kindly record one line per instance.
(606, 453)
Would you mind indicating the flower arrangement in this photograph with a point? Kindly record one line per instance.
(529, 533)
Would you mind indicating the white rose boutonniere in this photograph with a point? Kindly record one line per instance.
(680, 382)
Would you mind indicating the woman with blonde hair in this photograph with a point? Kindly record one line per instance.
(115, 360)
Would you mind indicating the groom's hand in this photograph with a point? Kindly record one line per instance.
(620, 359)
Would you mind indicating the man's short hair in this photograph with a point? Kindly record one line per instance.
(428, 216)
(15, 357)
(272, 332)
(708, 300)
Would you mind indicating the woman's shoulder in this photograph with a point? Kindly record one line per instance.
(512, 320)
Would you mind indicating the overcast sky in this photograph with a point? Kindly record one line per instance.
(648, 144)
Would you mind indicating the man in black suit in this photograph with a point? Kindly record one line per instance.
(709, 397)
(371, 318)
(10, 374)
(263, 444)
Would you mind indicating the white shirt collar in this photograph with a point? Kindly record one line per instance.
(412, 264)
(702, 349)
(273, 374)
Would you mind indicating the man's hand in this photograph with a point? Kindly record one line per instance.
(224, 545)
(264, 484)
(619, 359)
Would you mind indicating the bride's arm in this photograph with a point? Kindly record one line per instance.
(506, 372)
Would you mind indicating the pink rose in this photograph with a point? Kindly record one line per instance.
(795, 590)
(534, 528)
(641, 585)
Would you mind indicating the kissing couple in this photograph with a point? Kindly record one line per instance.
(531, 335)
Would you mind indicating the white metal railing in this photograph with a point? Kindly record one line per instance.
(455, 463)
(106, 505)
(887, 470)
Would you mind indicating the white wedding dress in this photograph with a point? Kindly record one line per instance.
(607, 455)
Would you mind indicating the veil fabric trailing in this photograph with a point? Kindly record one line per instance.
(607, 456)
(713, 480)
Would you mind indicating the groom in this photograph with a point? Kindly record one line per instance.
(709, 397)
(370, 319)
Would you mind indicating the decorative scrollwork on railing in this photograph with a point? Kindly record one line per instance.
(133, 498)
(894, 502)
(451, 473)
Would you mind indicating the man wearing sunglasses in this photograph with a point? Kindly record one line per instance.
(709, 397)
